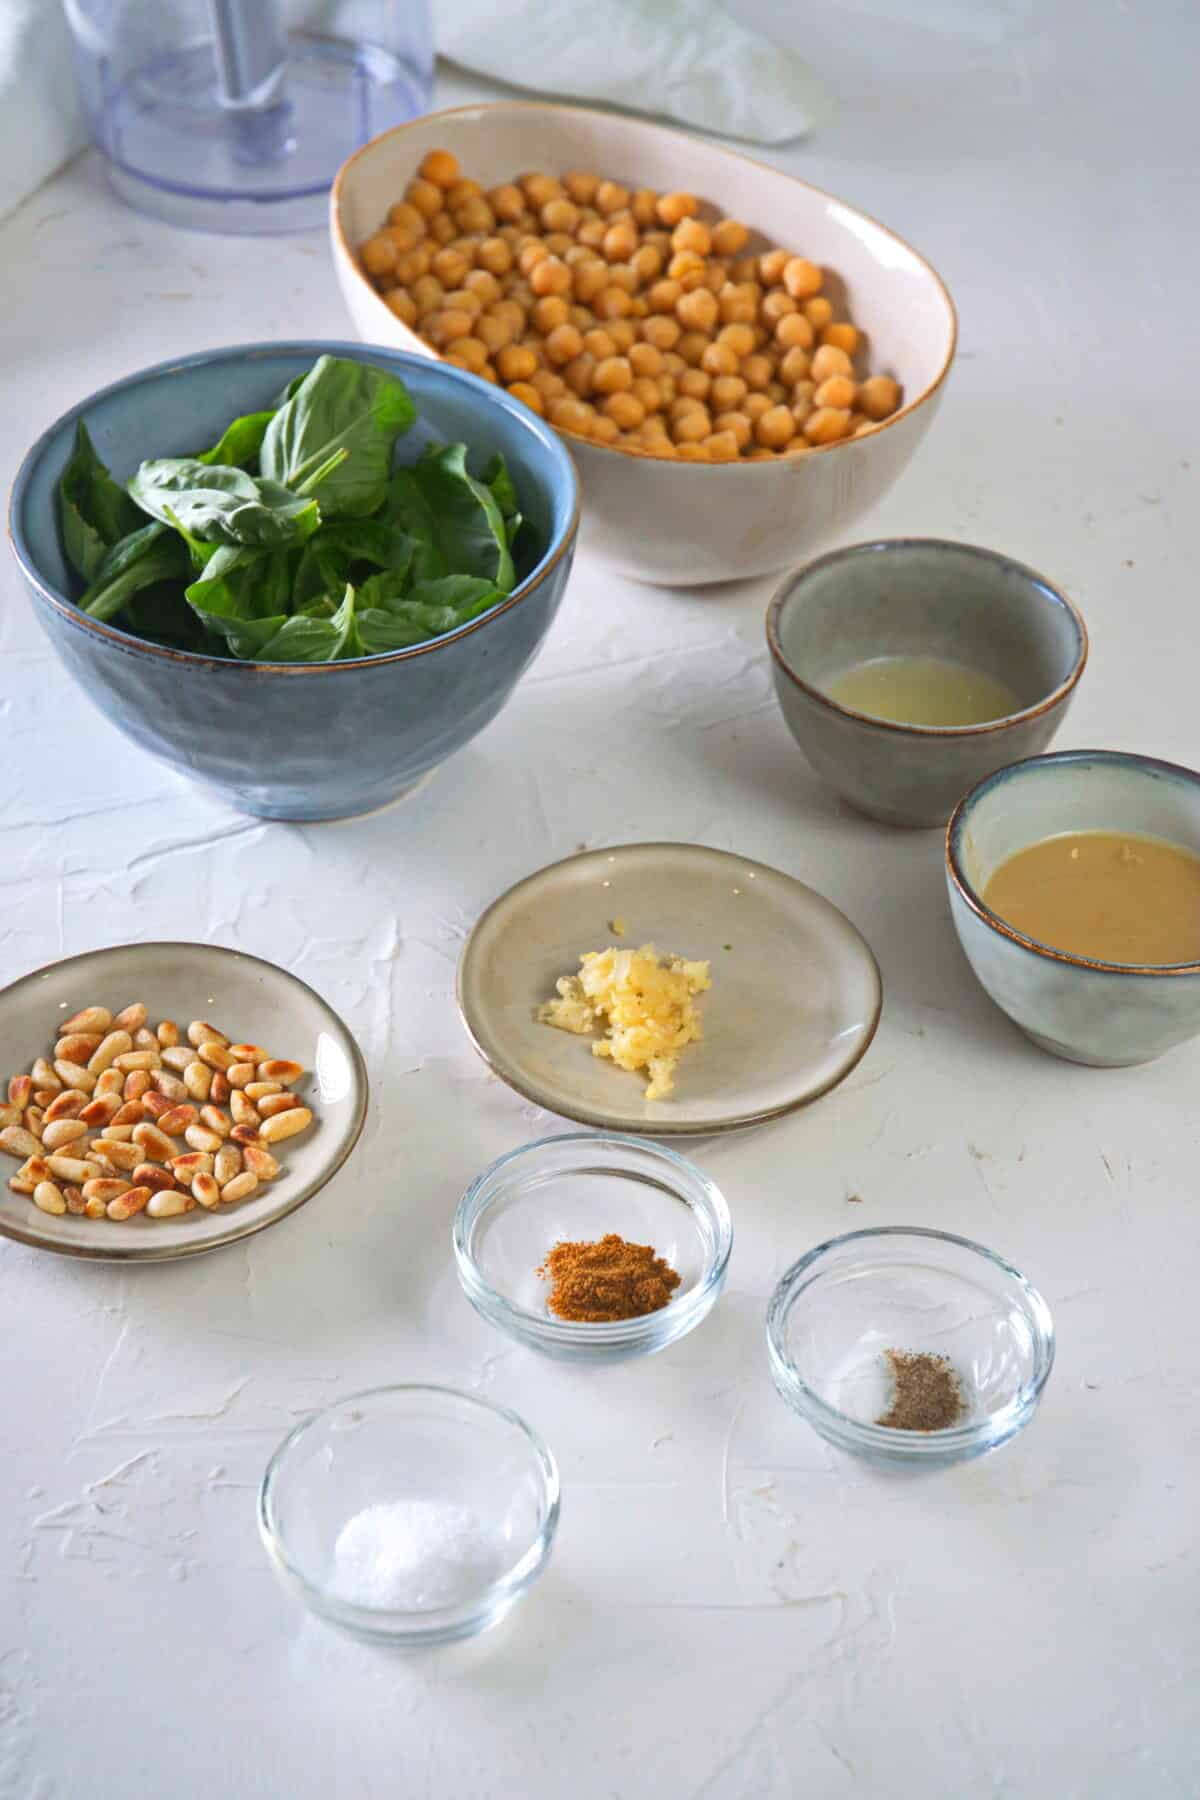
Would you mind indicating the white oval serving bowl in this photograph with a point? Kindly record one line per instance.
(688, 524)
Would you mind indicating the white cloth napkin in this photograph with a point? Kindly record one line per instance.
(685, 59)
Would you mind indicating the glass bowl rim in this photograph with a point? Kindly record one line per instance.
(600, 1334)
(1001, 1423)
(436, 1622)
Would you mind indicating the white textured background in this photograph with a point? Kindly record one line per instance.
(733, 1612)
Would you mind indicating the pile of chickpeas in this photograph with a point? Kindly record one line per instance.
(623, 317)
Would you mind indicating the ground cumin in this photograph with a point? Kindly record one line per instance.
(927, 1396)
(597, 1283)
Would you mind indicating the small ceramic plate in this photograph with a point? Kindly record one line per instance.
(251, 1000)
(793, 1007)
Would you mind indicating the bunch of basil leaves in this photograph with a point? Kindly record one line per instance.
(294, 539)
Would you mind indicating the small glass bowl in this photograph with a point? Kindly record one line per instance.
(581, 1186)
(425, 1447)
(840, 1308)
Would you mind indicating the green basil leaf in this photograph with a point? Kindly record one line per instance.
(223, 505)
(340, 405)
(144, 557)
(468, 526)
(306, 639)
(240, 442)
(94, 511)
(247, 601)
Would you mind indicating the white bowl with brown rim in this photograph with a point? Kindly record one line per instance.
(687, 524)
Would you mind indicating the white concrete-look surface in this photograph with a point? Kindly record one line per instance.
(732, 1611)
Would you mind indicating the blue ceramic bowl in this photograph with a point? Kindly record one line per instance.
(298, 741)
(1107, 1014)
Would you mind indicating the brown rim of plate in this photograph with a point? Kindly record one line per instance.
(126, 640)
(984, 913)
(682, 137)
(175, 1252)
(657, 1129)
(877, 546)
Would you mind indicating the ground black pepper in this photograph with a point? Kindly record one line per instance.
(927, 1394)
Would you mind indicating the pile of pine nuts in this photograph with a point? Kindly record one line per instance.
(625, 316)
(98, 1125)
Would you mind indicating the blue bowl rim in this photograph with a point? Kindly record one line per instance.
(957, 876)
(682, 1312)
(314, 347)
(952, 1441)
(440, 1623)
(794, 578)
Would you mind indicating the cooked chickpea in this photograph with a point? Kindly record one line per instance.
(818, 312)
(722, 446)
(691, 347)
(427, 293)
(378, 255)
(729, 237)
(528, 396)
(581, 186)
(602, 430)
(644, 359)
(582, 318)
(694, 384)
(548, 313)
(624, 275)
(495, 256)
(839, 391)
(496, 333)
(613, 303)
(572, 415)
(879, 396)
(719, 359)
(775, 392)
(754, 406)
(728, 392)
(591, 278)
(483, 283)
(540, 189)
(405, 216)
(697, 311)
(579, 372)
(647, 390)
(692, 234)
(530, 255)
(620, 242)
(737, 425)
(591, 233)
(746, 268)
(672, 208)
(843, 336)
(425, 197)
(473, 352)
(611, 197)
(648, 262)
(826, 425)
(692, 426)
(416, 262)
(442, 228)
(756, 371)
(563, 344)
(401, 302)
(829, 360)
(802, 401)
(516, 362)
(550, 276)
(599, 343)
(738, 302)
(613, 375)
(506, 201)
(793, 332)
(559, 215)
(862, 426)
(802, 278)
(664, 296)
(642, 205)
(625, 411)
(661, 331)
(794, 366)
(449, 325)
(475, 216)
(548, 384)
(558, 243)
(463, 300)
(740, 338)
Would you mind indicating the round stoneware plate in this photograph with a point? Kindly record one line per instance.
(251, 1001)
(793, 1006)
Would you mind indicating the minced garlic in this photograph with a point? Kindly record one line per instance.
(642, 1001)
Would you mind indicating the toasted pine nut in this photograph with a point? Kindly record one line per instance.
(285, 1125)
(117, 1155)
(107, 1051)
(74, 1199)
(94, 1209)
(196, 1162)
(101, 1110)
(49, 1198)
(92, 1018)
(138, 1059)
(70, 1168)
(32, 1119)
(75, 1075)
(253, 1053)
(220, 1090)
(132, 1112)
(201, 1139)
(240, 1188)
(67, 1105)
(20, 1091)
(215, 1055)
(132, 1016)
(177, 1057)
(169, 1202)
(157, 1145)
(144, 1039)
(226, 1164)
(152, 1176)
(155, 1107)
(43, 1076)
(200, 1032)
(76, 1047)
(197, 1079)
(261, 1161)
(105, 1188)
(111, 1082)
(134, 1200)
(31, 1171)
(245, 1134)
(240, 1073)
(215, 1119)
(167, 1033)
(18, 1142)
(43, 1096)
(281, 1070)
(256, 1089)
(270, 1104)
(10, 1115)
(117, 1134)
(62, 1132)
(177, 1119)
(137, 1083)
(206, 1191)
(170, 1086)
(244, 1111)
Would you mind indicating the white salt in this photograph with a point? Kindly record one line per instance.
(414, 1556)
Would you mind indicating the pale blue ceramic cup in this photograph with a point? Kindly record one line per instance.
(299, 740)
(1106, 1014)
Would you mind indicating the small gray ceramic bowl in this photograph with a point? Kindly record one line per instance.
(920, 597)
(1106, 1014)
